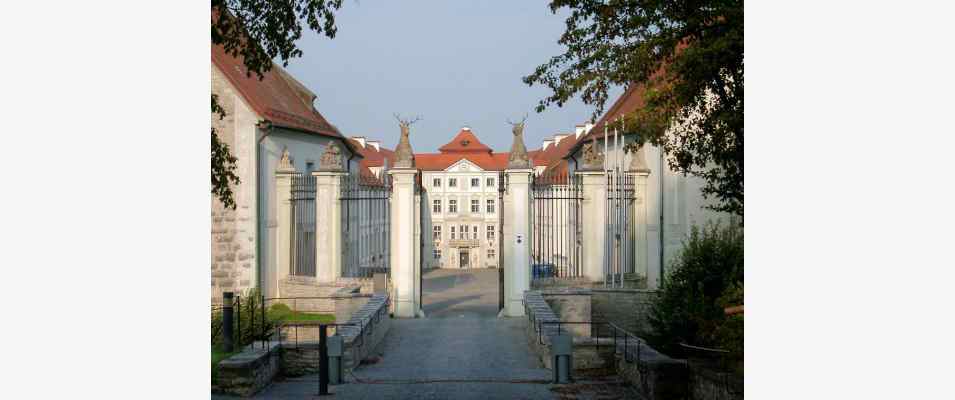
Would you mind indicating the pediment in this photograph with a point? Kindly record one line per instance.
(464, 165)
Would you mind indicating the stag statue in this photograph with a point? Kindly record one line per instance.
(518, 158)
(404, 158)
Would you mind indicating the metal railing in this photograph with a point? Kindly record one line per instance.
(366, 225)
(556, 226)
(620, 237)
(303, 226)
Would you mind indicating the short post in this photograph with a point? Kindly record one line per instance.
(335, 353)
(227, 331)
(562, 351)
(322, 360)
(594, 209)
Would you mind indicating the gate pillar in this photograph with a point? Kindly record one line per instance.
(328, 225)
(594, 211)
(516, 251)
(284, 173)
(639, 171)
(404, 271)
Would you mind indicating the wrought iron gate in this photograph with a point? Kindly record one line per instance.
(556, 226)
(366, 225)
(619, 249)
(303, 226)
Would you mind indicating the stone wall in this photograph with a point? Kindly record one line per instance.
(234, 231)
(370, 325)
(571, 305)
(626, 308)
(587, 354)
(248, 372)
(708, 384)
(654, 375)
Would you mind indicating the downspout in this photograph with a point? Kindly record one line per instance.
(265, 126)
(662, 213)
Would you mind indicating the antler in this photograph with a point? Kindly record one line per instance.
(407, 122)
(517, 123)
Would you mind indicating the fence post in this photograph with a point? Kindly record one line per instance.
(328, 225)
(639, 171)
(283, 219)
(227, 328)
(517, 239)
(403, 268)
(594, 211)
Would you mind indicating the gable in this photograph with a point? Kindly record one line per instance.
(464, 165)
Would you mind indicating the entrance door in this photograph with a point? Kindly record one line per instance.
(463, 258)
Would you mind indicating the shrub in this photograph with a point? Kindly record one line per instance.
(703, 279)
(247, 321)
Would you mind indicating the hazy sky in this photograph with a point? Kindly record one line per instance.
(454, 63)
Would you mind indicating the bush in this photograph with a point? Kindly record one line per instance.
(704, 278)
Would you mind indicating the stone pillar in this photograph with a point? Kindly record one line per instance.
(516, 209)
(594, 212)
(639, 170)
(328, 226)
(403, 274)
(284, 173)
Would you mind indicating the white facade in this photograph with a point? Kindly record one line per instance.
(244, 240)
(463, 213)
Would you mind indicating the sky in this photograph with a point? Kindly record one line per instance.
(454, 63)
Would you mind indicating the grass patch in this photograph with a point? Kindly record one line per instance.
(281, 313)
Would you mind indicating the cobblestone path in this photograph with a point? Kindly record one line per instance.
(460, 351)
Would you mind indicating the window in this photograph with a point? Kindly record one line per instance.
(475, 233)
(436, 207)
(452, 232)
(490, 206)
(464, 232)
(436, 182)
(436, 232)
(490, 232)
(437, 254)
(475, 182)
(452, 206)
(490, 182)
(475, 206)
(490, 254)
(452, 182)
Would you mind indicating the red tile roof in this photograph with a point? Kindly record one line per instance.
(373, 157)
(465, 142)
(277, 97)
(441, 161)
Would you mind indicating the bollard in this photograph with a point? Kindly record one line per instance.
(322, 360)
(335, 371)
(227, 331)
(562, 353)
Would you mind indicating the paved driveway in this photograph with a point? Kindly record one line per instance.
(460, 351)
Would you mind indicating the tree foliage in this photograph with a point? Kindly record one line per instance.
(686, 57)
(706, 277)
(258, 31)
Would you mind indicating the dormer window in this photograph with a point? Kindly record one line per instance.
(465, 142)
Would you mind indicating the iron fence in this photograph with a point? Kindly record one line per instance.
(303, 226)
(556, 223)
(366, 225)
(619, 243)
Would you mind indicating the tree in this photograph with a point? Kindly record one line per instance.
(259, 31)
(686, 58)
